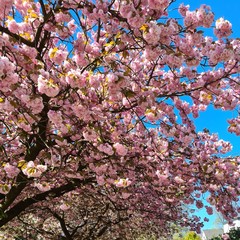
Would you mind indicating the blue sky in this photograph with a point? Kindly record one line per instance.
(212, 119)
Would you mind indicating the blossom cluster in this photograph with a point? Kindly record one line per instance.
(98, 101)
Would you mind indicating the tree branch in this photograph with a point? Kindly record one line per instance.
(53, 193)
(17, 37)
(63, 226)
(32, 153)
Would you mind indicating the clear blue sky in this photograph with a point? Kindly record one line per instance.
(212, 119)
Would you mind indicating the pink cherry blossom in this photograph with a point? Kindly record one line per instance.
(223, 28)
(183, 9)
(122, 182)
(209, 210)
(64, 206)
(47, 86)
(43, 186)
(11, 171)
(158, 4)
(13, 26)
(33, 170)
(120, 149)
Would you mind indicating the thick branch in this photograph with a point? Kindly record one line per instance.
(31, 155)
(17, 37)
(53, 193)
(15, 191)
(63, 226)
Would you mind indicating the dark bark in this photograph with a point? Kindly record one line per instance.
(17, 37)
(53, 193)
(63, 226)
(31, 154)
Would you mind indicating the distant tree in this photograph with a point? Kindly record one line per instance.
(186, 235)
(234, 234)
(179, 232)
(191, 236)
(216, 238)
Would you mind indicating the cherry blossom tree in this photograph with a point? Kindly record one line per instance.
(97, 106)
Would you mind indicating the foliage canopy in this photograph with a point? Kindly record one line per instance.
(97, 107)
